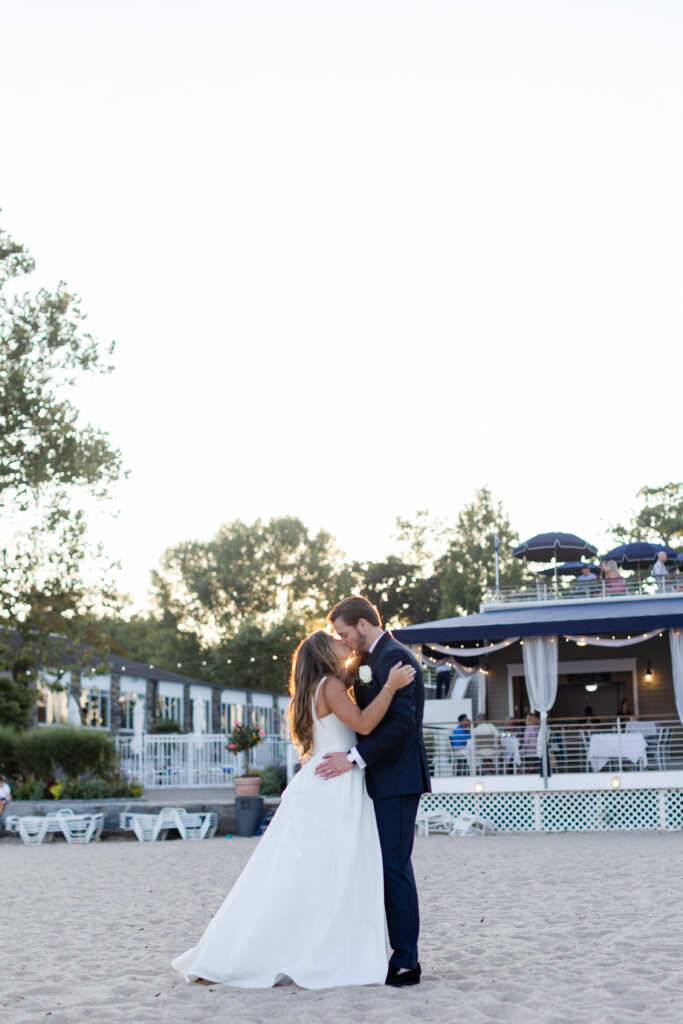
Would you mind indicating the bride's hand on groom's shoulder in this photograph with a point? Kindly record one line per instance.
(400, 676)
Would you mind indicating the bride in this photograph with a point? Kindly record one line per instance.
(309, 905)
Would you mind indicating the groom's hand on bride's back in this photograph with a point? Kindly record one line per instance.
(333, 765)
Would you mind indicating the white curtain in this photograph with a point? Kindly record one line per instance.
(463, 677)
(540, 672)
(676, 643)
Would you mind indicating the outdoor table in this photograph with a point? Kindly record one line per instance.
(510, 748)
(648, 729)
(608, 746)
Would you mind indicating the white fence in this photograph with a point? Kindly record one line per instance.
(174, 759)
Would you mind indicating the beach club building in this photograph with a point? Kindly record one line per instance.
(106, 698)
(551, 670)
(128, 698)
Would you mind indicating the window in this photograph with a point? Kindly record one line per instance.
(264, 718)
(171, 707)
(51, 705)
(231, 715)
(128, 702)
(95, 707)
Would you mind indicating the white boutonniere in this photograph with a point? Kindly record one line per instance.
(365, 674)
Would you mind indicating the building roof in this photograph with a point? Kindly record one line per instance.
(591, 617)
(119, 665)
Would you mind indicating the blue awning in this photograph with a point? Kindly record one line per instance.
(593, 617)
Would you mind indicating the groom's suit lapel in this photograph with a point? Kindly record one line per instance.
(371, 659)
(365, 693)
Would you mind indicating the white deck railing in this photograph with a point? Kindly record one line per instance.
(542, 590)
(175, 759)
(614, 744)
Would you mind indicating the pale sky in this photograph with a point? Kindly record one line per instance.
(360, 258)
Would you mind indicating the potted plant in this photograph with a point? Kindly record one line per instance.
(243, 739)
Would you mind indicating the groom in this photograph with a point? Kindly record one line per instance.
(395, 763)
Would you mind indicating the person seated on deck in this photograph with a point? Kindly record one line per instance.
(530, 742)
(460, 736)
(615, 584)
(625, 710)
(588, 717)
(486, 737)
(586, 581)
(660, 571)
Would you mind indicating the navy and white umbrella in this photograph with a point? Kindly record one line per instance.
(546, 547)
(638, 554)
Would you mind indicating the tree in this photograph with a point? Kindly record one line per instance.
(48, 463)
(156, 641)
(257, 574)
(256, 658)
(399, 591)
(659, 518)
(467, 568)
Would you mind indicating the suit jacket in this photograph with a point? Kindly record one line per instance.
(394, 752)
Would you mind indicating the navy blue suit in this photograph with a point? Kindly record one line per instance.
(396, 774)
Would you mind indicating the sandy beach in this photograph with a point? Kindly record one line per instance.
(515, 928)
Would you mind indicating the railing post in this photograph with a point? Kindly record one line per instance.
(619, 742)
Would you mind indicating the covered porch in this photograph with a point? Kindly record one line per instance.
(605, 750)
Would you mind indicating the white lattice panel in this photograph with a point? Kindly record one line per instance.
(588, 811)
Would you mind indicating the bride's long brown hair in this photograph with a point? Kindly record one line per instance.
(314, 658)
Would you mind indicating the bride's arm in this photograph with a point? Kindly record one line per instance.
(363, 722)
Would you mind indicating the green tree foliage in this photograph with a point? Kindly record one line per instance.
(257, 658)
(250, 573)
(468, 567)
(155, 641)
(400, 591)
(659, 519)
(49, 462)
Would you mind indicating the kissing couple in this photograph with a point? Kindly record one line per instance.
(332, 875)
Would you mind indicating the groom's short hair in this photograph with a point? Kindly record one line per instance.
(351, 609)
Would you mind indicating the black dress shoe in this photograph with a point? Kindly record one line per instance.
(398, 980)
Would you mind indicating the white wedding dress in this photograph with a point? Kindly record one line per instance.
(309, 905)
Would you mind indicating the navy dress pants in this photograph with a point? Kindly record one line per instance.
(396, 826)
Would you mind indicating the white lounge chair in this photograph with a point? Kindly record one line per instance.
(76, 828)
(472, 825)
(433, 821)
(81, 828)
(152, 827)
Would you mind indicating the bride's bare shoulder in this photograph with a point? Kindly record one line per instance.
(329, 692)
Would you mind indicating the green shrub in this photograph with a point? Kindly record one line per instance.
(29, 789)
(165, 725)
(9, 763)
(76, 751)
(273, 779)
(95, 789)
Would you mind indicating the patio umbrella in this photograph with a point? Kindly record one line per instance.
(197, 716)
(73, 712)
(138, 727)
(638, 555)
(546, 547)
(569, 569)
